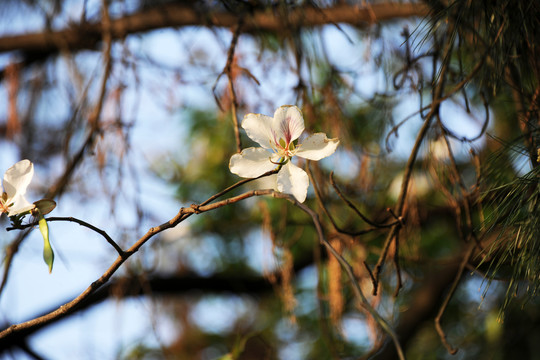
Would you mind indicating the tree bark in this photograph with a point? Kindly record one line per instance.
(88, 35)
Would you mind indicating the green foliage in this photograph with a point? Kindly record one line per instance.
(211, 143)
(499, 32)
(515, 217)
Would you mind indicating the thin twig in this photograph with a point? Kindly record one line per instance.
(348, 270)
(438, 326)
(328, 335)
(80, 222)
(332, 220)
(318, 196)
(234, 186)
(465, 195)
(228, 71)
(354, 208)
(380, 263)
(93, 120)
(197, 209)
(478, 168)
(399, 282)
(435, 104)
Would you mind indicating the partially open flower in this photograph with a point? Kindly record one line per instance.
(277, 138)
(16, 180)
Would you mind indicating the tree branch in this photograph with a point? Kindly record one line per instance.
(163, 285)
(350, 274)
(89, 35)
(158, 285)
(183, 214)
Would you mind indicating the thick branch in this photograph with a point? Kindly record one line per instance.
(88, 35)
(157, 285)
(161, 285)
(14, 330)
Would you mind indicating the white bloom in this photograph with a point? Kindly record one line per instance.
(16, 180)
(276, 136)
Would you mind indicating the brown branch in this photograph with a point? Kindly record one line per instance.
(399, 280)
(89, 35)
(177, 284)
(399, 210)
(105, 288)
(228, 71)
(320, 201)
(234, 186)
(15, 331)
(355, 209)
(124, 287)
(184, 213)
(318, 196)
(438, 98)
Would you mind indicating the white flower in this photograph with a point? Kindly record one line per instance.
(277, 136)
(16, 180)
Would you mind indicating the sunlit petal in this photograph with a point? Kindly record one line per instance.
(20, 205)
(17, 178)
(293, 180)
(259, 128)
(288, 123)
(252, 162)
(316, 147)
(266, 182)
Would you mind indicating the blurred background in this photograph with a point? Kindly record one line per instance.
(129, 110)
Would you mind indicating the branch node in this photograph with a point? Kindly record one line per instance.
(195, 208)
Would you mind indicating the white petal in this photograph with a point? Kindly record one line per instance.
(20, 205)
(259, 128)
(17, 178)
(316, 147)
(288, 123)
(293, 180)
(267, 182)
(252, 162)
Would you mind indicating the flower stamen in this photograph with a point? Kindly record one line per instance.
(281, 161)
